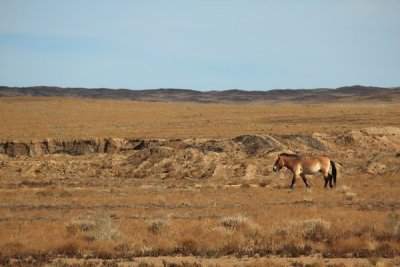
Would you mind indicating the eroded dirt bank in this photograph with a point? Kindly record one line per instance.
(244, 158)
(378, 139)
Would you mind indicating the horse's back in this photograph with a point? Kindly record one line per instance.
(314, 159)
(323, 159)
(314, 164)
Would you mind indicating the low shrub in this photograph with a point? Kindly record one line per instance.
(294, 250)
(315, 229)
(393, 225)
(69, 249)
(96, 226)
(156, 225)
(233, 222)
(4, 260)
(312, 229)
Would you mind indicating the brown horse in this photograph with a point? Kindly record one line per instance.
(302, 165)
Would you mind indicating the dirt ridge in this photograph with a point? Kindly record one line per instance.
(70, 147)
(381, 139)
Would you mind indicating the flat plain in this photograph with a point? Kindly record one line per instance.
(26, 118)
(188, 184)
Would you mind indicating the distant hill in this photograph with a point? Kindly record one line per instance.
(349, 93)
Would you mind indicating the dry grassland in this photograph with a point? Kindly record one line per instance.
(24, 118)
(162, 206)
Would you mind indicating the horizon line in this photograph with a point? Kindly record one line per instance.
(198, 90)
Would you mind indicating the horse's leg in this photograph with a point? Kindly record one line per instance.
(330, 178)
(326, 182)
(303, 176)
(293, 181)
(327, 177)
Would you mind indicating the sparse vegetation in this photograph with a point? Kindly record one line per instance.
(315, 229)
(156, 225)
(196, 197)
(393, 225)
(94, 226)
(233, 222)
(69, 118)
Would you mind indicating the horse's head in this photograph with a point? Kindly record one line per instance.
(279, 163)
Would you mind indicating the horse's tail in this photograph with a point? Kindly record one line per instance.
(334, 171)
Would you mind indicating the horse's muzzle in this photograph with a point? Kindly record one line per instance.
(275, 169)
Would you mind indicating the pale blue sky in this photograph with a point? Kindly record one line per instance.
(200, 44)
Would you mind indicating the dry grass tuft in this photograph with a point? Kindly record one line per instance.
(4, 260)
(393, 225)
(388, 249)
(233, 222)
(315, 229)
(312, 229)
(156, 225)
(343, 188)
(95, 226)
(346, 192)
(187, 246)
(349, 196)
(69, 249)
(293, 249)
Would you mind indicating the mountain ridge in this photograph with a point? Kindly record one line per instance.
(346, 93)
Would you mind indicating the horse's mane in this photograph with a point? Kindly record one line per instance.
(289, 155)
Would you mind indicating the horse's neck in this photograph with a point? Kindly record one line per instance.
(288, 162)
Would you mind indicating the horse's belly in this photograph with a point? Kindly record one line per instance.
(312, 170)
